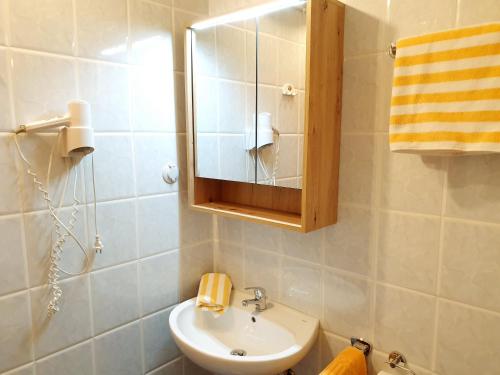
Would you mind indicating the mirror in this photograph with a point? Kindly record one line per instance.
(248, 98)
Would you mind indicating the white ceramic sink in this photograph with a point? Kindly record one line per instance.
(277, 340)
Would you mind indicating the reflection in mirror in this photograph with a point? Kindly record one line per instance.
(280, 92)
(224, 78)
(248, 84)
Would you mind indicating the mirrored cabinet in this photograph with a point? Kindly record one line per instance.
(263, 90)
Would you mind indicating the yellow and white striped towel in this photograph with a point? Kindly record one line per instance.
(214, 292)
(446, 92)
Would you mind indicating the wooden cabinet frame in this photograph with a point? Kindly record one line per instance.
(316, 205)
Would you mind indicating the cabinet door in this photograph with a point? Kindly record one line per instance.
(281, 75)
(224, 100)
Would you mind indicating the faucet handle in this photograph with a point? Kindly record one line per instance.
(258, 291)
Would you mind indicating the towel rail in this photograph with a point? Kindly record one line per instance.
(392, 50)
(362, 345)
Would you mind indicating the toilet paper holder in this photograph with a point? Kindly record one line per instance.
(398, 360)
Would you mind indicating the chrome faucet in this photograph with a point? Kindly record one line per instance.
(260, 300)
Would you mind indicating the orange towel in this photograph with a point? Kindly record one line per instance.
(350, 361)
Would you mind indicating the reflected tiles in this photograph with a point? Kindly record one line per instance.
(159, 281)
(106, 87)
(159, 346)
(347, 304)
(289, 63)
(471, 264)
(42, 85)
(45, 25)
(207, 155)
(70, 326)
(119, 352)
(12, 269)
(405, 320)
(207, 97)
(232, 100)
(233, 157)
(408, 251)
(5, 115)
(301, 286)
(94, 16)
(114, 297)
(231, 50)
(467, 341)
(349, 244)
(76, 360)
(15, 326)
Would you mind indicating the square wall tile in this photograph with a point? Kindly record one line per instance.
(158, 224)
(9, 188)
(349, 244)
(229, 258)
(152, 153)
(408, 251)
(307, 246)
(229, 230)
(15, 326)
(194, 261)
(348, 301)
(114, 168)
(106, 88)
(263, 269)
(195, 226)
(408, 17)
(102, 29)
(358, 160)
(365, 27)
(366, 93)
(301, 286)
(114, 297)
(403, 177)
(405, 320)
(5, 112)
(45, 25)
(151, 34)
(467, 341)
(171, 368)
(262, 237)
(119, 352)
(469, 13)
(159, 346)
(43, 85)
(471, 264)
(473, 188)
(12, 271)
(159, 281)
(40, 235)
(198, 6)
(68, 326)
(117, 227)
(77, 360)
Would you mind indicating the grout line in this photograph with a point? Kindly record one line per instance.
(440, 263)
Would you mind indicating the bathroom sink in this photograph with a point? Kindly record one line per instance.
(242, 341)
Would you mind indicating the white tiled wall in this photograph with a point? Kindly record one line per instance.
(125, 58)
(414, 263)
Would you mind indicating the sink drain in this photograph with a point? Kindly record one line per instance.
(238, 352)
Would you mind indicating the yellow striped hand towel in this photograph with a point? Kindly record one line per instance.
(214, 292)
(446, 92)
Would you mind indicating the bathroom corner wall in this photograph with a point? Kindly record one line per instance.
(413, 263)
(126, 59)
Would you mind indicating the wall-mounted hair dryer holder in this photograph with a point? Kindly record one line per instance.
(77, 136)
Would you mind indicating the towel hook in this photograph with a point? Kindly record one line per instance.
(392, 50)
(398, 360)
